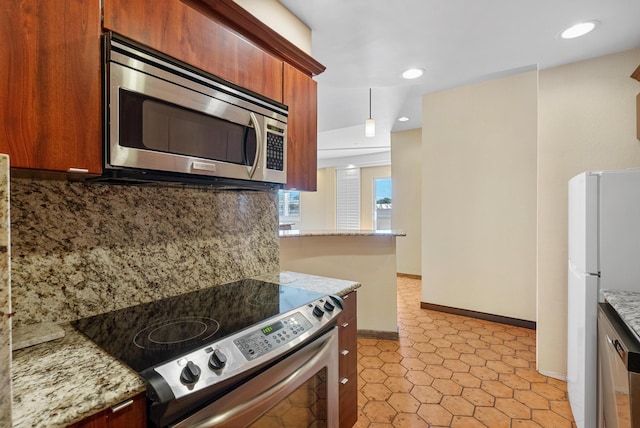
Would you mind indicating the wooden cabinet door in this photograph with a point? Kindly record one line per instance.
(50, 113)
(178, 30)
(348, 365)
(301, 95)
(132, 415)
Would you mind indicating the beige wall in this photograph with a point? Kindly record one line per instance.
(479, 197)
(318, 209)
(280, 19)
(586, 122)
(367, 196)
(369, 260)
(406, 170)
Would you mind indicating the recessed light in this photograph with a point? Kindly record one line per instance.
(579, 29)
(403, 119)
(413, 73)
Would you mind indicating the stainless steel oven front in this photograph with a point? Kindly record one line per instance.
(167, 119)
(301, 390)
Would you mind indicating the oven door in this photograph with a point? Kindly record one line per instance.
(303, 387)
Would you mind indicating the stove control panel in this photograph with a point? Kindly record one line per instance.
(227, 359)
(263, 340)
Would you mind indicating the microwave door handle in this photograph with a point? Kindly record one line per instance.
(256, 127)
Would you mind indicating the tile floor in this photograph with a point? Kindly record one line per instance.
(453, 371)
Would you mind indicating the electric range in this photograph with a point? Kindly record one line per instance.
(195, 347)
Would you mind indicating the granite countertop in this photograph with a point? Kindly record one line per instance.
(321, 284)
(68, 379)
(298, 233)
(627, 305)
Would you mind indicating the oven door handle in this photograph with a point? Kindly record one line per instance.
(242, 406)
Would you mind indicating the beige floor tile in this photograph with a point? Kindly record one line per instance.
(453, 371)
(409, 420)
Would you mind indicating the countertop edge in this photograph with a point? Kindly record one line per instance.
(307, 233)
(627, 305)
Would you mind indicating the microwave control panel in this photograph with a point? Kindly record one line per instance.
(275, 151)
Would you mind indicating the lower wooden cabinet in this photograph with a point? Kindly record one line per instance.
(123, 415)
(348, 362)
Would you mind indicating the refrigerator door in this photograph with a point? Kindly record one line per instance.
(620, 230)
(582, 346)
(583, 222)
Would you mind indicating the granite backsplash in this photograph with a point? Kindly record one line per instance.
(79, 249)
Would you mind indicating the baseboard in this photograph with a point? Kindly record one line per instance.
(374, 334)
(408, 275)
(558, 376)
(480, 315)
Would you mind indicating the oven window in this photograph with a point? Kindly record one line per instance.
(304, 407)
(151, 124)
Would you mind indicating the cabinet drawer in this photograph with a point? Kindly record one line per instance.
(350, 307)
(130, 413)
(348, 404)
(348, 364)
(348, 338)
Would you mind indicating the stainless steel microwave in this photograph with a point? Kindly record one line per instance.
(168, 121)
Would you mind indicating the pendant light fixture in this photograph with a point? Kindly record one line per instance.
(370, 124)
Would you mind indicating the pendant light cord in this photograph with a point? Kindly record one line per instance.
(369, 103)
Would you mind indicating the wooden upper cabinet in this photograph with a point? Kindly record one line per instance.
(51, 85)
(182, 32)
(300, 94)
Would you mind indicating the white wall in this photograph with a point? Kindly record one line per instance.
(318, 209)
(586, 122)
(367, 190)
(479, 197)
(280, 19)
(406, 170)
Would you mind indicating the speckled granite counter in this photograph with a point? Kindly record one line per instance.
(66, 380)
(295, 233)
(63, 381)
(321, 284)
(627, 305)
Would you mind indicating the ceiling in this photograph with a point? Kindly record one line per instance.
(369, 43)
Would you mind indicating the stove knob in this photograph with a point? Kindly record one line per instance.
(317, 311)
(190, 374)
(217, 360)
(328, 306)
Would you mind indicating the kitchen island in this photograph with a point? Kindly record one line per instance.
(365, 256)
(66, 380)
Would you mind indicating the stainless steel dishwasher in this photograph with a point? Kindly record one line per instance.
(618, 369)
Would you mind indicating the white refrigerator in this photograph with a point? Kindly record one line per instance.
(604, 253)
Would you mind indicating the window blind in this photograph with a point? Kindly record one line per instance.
(348, 198)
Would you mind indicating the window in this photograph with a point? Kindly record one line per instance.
(383, 208)
(289, 205)
(348, 198)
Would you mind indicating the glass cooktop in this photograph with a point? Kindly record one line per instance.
(145, 335)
